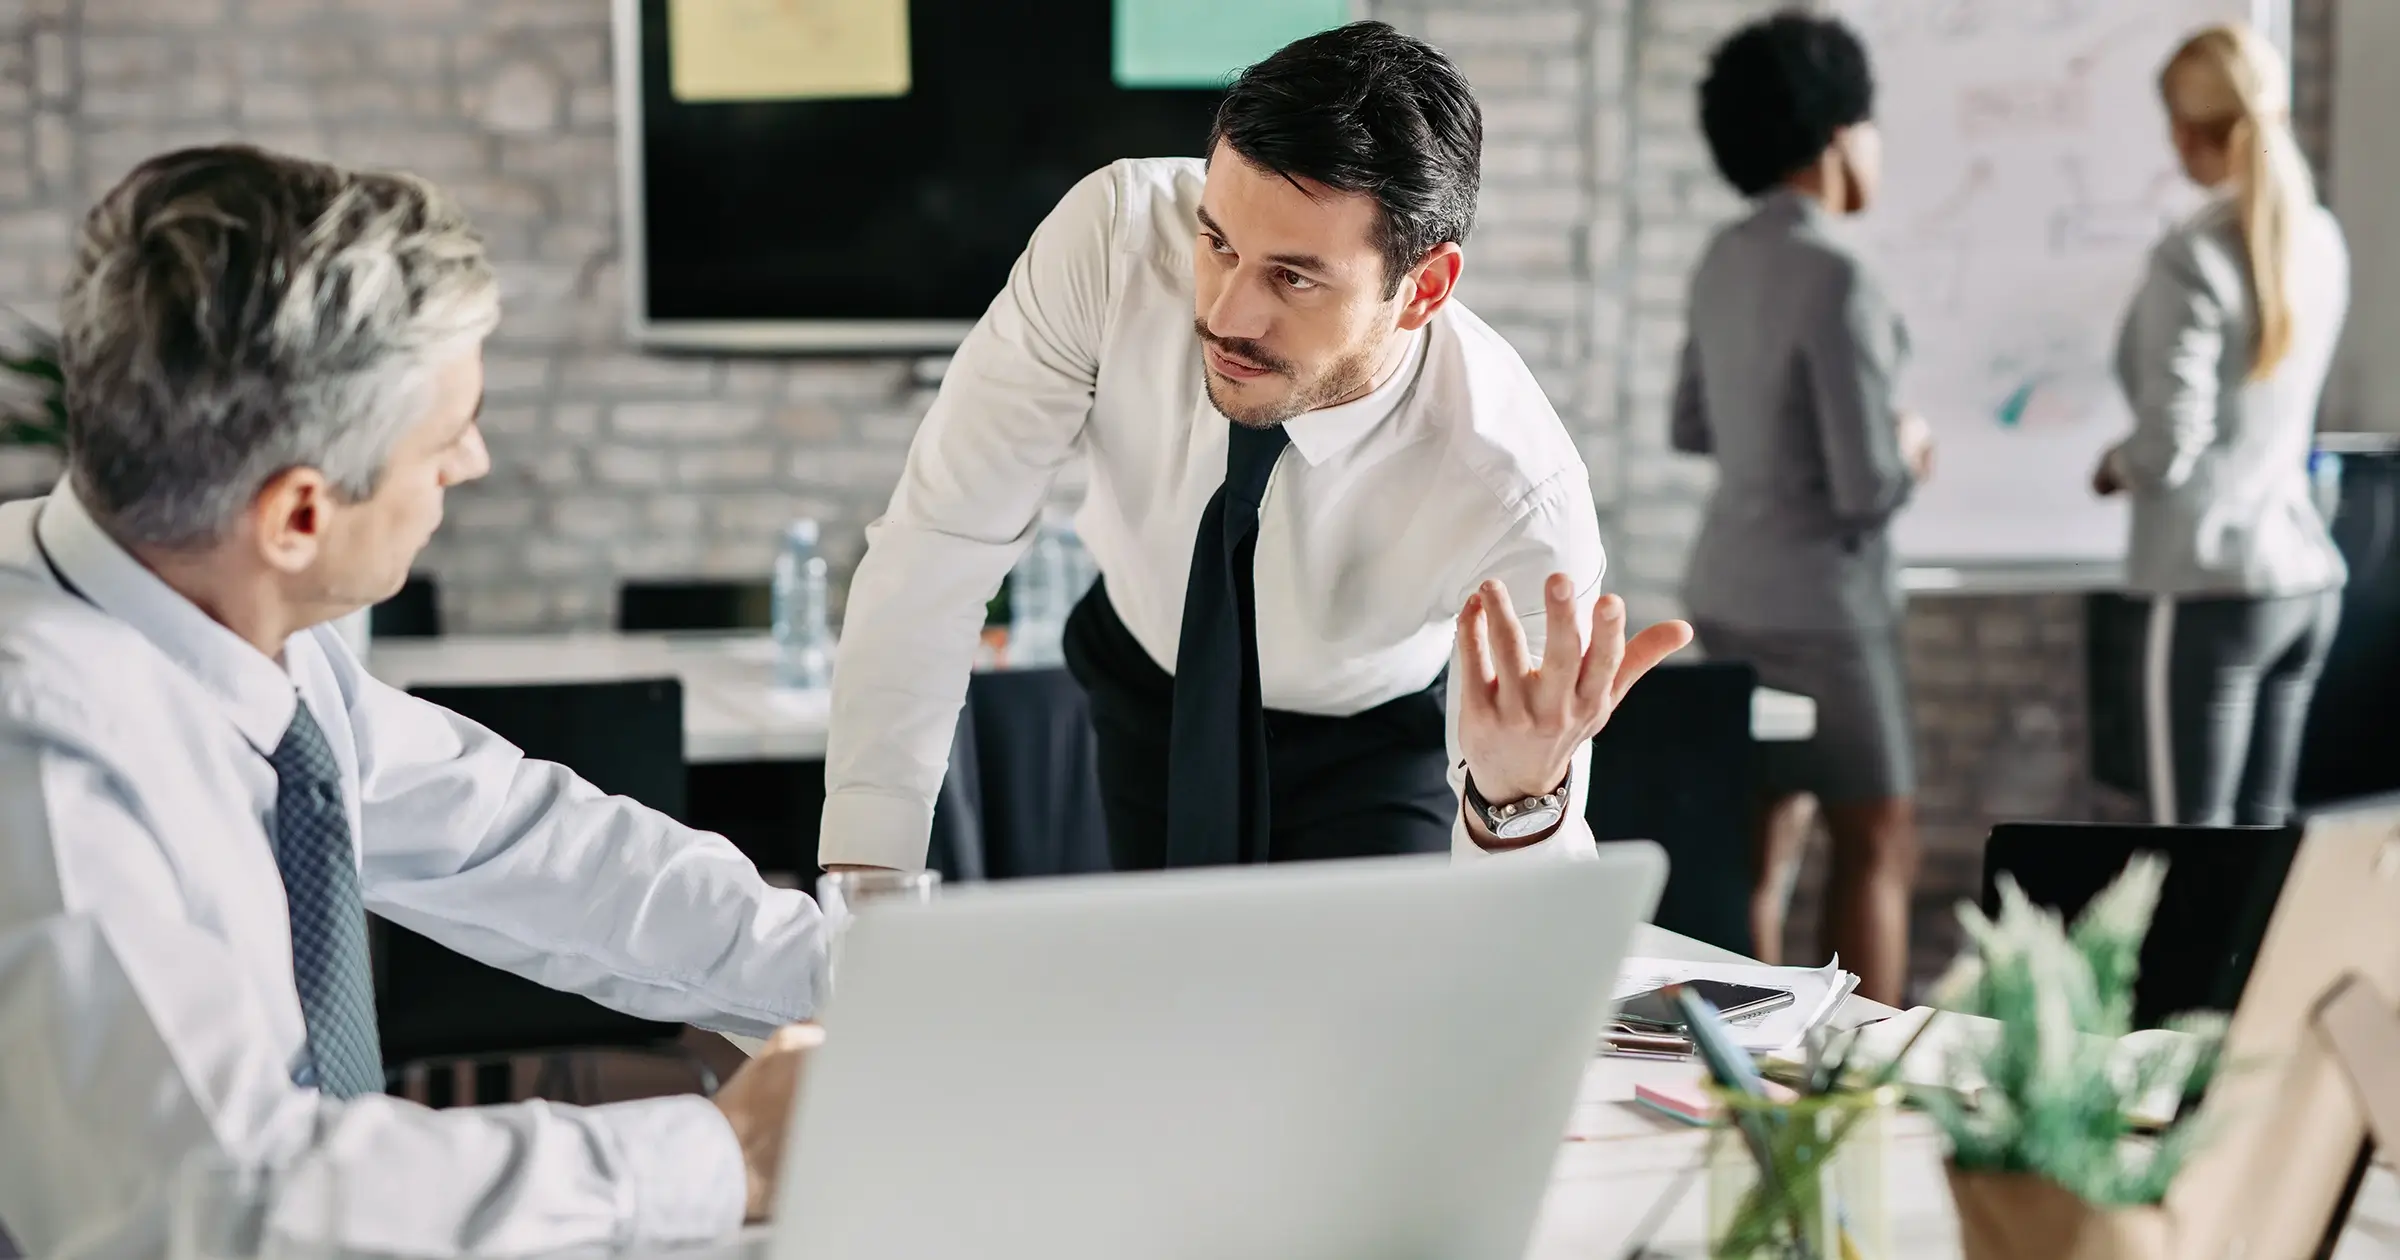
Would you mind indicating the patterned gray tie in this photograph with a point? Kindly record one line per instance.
(329, 922)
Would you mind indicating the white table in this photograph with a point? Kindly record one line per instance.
(731, 709)
(1619, 1158)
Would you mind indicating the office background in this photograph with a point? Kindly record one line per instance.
(610, 464)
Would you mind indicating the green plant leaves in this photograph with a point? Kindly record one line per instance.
(2059, 1096)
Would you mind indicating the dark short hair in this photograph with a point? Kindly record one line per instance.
(1776, 92)
(1363, 108)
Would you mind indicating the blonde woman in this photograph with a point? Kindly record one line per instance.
(2222, 357)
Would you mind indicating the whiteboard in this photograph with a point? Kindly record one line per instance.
(2026, 174)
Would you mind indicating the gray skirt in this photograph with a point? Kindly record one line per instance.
(1864, 748)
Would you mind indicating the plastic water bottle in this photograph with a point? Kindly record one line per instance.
(803, 639)
(1038, 601)
(2325, 482)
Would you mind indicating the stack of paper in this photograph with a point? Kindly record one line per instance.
(1815, 995)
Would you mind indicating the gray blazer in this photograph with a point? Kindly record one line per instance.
(1787, 378)
(2217, 466)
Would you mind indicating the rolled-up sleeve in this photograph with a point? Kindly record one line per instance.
(1012, 406)
(1852, 355)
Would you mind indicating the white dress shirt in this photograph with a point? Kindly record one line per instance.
(1382, 517)
(147, 1003)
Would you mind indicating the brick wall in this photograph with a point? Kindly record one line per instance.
(611, 464)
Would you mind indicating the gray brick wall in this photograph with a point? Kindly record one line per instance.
(611, 464)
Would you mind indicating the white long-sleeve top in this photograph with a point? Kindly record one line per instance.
(147, 1003)
(1382, 517)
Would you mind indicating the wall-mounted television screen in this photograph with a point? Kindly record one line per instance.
(858, 175)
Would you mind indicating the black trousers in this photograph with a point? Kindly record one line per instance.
(2226, 687)
(1367, 785)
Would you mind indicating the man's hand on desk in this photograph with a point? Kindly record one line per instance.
(757, 1102)
(1520, 720)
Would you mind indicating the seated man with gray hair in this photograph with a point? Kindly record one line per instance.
(274, 369)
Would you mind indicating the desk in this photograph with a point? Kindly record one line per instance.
(1618, 1159)
(731, 710)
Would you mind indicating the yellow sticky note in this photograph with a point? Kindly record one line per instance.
(782, 50)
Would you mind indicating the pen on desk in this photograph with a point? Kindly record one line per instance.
(1626, 1043)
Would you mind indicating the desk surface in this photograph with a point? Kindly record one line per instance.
(731, 709)
(1618, 1159)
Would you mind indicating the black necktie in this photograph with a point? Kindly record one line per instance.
(1217, 745)
(329, 923)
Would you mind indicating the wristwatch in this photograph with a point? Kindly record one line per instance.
(1515, 820)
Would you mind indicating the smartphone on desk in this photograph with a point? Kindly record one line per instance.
(1654, 1012)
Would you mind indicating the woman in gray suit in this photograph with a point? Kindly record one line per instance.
(2222, 357)
(1788, 378)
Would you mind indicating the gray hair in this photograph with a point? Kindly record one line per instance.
(234, 314)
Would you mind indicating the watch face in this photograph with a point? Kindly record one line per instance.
(1529, 822)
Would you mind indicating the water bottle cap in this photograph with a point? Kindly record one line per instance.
(803, 530)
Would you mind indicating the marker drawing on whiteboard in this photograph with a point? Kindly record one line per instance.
(2085, 221)
(2012, 408)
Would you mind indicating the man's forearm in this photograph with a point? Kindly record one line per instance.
(908, 646)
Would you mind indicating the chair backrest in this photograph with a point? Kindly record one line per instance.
(414, 612)
(2221, 887)
(695, 605)
(1036, 789)
(2116, 628)
(2344, 752)
(625, 738)
(1676, 765)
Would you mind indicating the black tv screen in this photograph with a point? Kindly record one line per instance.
(883, 222)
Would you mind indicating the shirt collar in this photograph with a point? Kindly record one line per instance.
(1328, 431)
(256, 692)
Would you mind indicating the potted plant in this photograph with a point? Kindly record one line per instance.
(2045, 1158)
(33, 409)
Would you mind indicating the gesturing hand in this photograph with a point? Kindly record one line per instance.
(1520, 720)
(1916, 446)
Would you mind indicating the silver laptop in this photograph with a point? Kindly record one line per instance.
(1352, 1059)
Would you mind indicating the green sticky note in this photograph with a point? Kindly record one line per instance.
(1204, 43)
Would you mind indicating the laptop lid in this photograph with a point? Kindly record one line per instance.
(1365, 1058)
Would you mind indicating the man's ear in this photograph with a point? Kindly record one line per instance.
(1429, 284)
(289, 516)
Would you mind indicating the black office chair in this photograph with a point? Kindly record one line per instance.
(2221, 887)
(415, 612)
(646, 605)
(2116, 628)
(439, 1007)
(1022, 798)
(769, 809)
(1677, 764)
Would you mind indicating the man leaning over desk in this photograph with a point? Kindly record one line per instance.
(1312, 473)
(274, 370)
